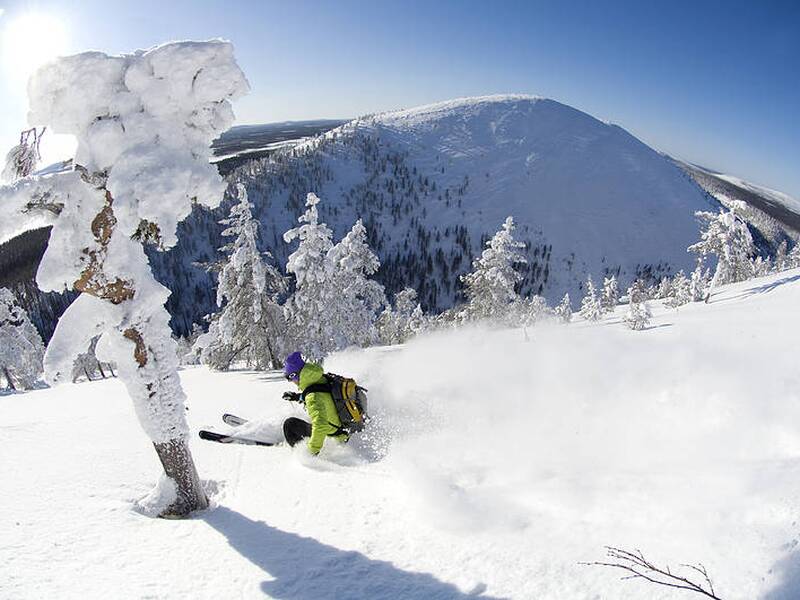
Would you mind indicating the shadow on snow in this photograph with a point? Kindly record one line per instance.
(788, 571)
(305, 569)
(762, 289)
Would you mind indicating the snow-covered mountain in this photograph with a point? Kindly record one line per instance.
(432, 182)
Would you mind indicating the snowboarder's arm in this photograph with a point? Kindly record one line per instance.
(318, 423)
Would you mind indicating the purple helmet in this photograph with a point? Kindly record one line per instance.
(293, 365)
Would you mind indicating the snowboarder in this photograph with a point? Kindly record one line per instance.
(319, 405)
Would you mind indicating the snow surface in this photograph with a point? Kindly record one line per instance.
(495, 465)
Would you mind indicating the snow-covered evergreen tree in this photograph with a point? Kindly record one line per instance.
(681, 292)
(250, 324)
(638, 315)
(781, 261)
(638, 292)
(307, 310)
(698, 283)
(401, 322)
(144, 123)
(664, 289)
(359, 298)
(491, 286)
(564, 310)
(761, 266)
(610, 295)
(531, 310)
(590, 305)
(727, 237)
(21, 348)
(793, 259)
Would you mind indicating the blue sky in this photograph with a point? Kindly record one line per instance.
(717, 83)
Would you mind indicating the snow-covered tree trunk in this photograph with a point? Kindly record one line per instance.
(144, 123)
(151, 378)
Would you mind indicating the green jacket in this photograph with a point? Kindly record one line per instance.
(320, 407)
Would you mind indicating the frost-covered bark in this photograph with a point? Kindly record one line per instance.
(491, 286)
(354, 309)
(21, 348)
(144, 123)
(250, 327)
(315, 289)
(727, 237)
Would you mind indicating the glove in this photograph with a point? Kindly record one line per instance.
(291, 396)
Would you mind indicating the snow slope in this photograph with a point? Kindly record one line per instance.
(496, 464)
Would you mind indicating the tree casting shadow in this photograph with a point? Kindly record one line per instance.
(305, 569)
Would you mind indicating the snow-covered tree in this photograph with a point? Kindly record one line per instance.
(638, 292)
(698, 282)
(664, 289)
(359, 298)
(638, 315)
(88, 365)
(590, 305)
(781, 261)
(531, 310)
(793, 259)
(491, 286)
(680, 291)
(727, 237)
(21, 348)
(188, 353)
(610, 295)
(401, 322)
(144, 123)
(564, 310)
(315, 287)
(761, 266)
(250, 324)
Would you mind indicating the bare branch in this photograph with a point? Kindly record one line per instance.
(638, 567)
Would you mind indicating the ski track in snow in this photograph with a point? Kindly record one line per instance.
(500, 465)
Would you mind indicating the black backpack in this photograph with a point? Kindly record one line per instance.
(349, 398)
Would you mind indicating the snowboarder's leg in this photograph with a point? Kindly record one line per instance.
(295, 429)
